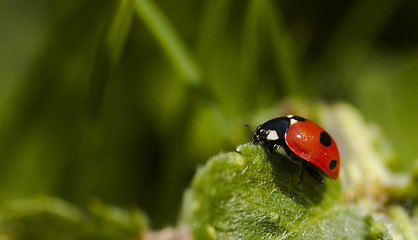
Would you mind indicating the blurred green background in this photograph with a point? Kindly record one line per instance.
(123, 99)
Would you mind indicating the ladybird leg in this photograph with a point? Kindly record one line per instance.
(291, 155)
(313, 173)
(301, 175)
(269, 148)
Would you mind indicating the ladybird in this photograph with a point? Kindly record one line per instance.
(304, 141)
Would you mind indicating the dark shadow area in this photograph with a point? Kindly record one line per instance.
(286, 175)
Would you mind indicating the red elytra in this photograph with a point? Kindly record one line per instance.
(313, 144)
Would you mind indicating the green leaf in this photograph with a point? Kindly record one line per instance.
(44, 217)
(380, 231)
(402, 223)
(255, 196)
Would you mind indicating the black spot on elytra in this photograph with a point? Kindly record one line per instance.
(325, 139)
(332, 164)
(297, 118)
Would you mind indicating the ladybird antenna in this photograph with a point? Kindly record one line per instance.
(248, 126)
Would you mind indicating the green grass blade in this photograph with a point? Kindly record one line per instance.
(284, 49)
(119, 29)
(354, 39)
(215, 15)
(250, 48)
(169, 39)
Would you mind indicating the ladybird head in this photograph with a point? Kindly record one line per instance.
(259, 135)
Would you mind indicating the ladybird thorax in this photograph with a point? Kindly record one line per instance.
(272, 131)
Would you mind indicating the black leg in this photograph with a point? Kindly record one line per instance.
(301, 175)
(268, 147)
(314, 173)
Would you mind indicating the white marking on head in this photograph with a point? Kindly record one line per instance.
(293, 121)
(272, 135)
